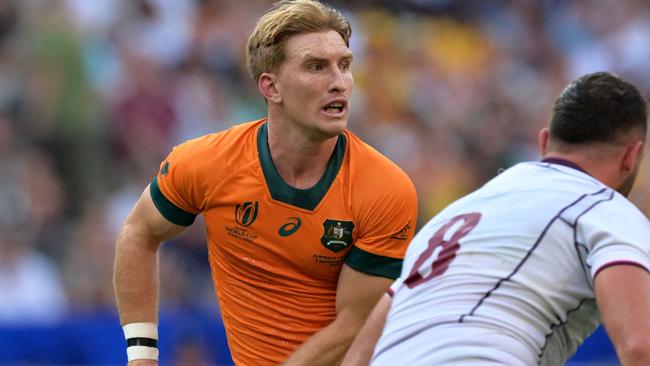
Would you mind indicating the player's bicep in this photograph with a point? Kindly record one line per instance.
(146, 221)
(623, 297)
(386, 224)
(357, 294)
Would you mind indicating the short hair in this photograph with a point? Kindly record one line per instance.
(598, 107)
(265, 48)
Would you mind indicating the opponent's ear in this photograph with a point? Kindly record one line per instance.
(632, 154)
(268, 87)
(542, 140)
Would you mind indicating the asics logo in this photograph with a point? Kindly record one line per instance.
(290, 227)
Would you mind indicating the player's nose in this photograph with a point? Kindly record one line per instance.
(340, 80)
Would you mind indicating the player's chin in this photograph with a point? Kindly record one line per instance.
(334, 127)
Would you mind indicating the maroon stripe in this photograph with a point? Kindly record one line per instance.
(564, 162)
(616, 263)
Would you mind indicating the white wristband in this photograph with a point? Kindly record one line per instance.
(141, 353)
(141, 330)
(142, 341)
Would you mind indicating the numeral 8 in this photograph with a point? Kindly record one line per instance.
(448, 252)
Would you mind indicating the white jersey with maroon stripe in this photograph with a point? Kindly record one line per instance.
(504, 276)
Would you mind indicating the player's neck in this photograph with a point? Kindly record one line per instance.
(300, 161)
(601, 169)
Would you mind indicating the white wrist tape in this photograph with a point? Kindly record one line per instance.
(142, 341)
(141, 330)
(141, 353)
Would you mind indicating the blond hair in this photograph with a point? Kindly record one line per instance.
(265, 48)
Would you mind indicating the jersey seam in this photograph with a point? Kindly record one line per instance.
(555, 327)
(528, 255)
(574, 225)
(586, 267)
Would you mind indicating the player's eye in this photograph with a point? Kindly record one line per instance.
(315, 66)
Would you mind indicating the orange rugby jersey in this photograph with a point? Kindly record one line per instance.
(276, 251)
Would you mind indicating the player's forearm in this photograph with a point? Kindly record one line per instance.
(136, 276)
(636, 356)
(635, 350)
(327, 347)
(361, 350)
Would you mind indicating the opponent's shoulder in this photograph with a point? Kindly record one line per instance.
(614, 209)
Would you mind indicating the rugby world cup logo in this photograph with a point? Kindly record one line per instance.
(246, 213)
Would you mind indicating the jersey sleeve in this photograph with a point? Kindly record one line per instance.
(388, 214)
(176, 190)
(615, 233)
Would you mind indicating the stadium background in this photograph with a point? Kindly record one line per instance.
(93, 94)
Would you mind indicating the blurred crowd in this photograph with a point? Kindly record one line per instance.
(93, 95)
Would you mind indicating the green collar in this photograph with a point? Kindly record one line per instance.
(307, 199)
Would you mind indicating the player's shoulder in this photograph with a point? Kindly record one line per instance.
(590, 198)
(545, 178)
(369, 164)
(616, 207)
(382, 180)
(238, 138)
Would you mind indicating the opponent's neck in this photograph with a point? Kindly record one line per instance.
(603, 170)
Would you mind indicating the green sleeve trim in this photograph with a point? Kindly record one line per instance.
(374, 264)
(170, 211)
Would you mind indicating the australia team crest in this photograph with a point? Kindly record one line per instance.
(337, 234)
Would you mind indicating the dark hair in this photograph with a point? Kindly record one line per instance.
(598, 107)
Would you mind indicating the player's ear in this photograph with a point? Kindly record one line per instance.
(632, 154)
(542, 139)
(268, 87)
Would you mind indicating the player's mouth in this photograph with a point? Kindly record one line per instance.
(336, 108)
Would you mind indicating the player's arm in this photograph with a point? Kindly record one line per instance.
(623, 297)
(135, 273)
(363, 346)
(356, 295)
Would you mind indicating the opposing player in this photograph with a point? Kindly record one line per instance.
(520, 271)
(307, 225)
